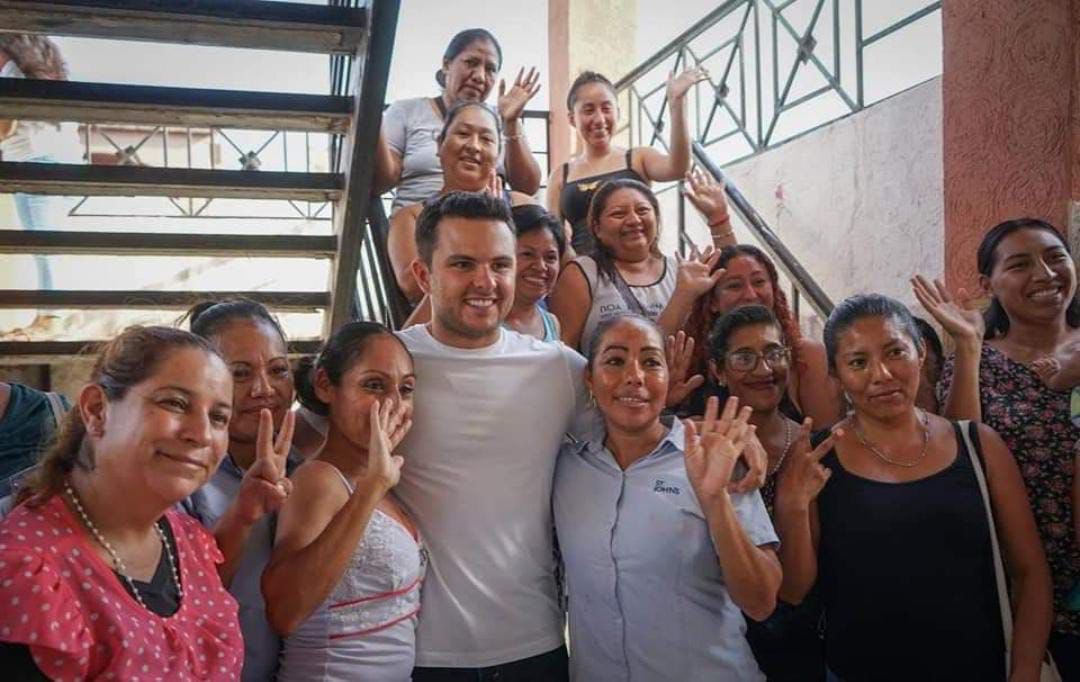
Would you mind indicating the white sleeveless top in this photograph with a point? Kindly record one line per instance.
(607, 302)
(366, 628)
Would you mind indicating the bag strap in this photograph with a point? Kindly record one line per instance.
(56, 406)
(970, 438)
(632, 302)
(441, 106)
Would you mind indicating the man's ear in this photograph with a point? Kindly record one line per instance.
(93, 409)
(422, 274)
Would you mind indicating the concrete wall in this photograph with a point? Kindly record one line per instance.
(860, 201)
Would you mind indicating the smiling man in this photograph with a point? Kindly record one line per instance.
(492, 406)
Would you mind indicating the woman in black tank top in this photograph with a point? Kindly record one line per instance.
(593, 109)
(887, 512)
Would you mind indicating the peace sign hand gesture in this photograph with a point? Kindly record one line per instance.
(802, 477)
(958, 315)
(264, 486)
(390, 422)
(512, 103)
(712, 453)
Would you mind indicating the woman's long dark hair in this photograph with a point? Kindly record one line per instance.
(995, 317)
(602, 254)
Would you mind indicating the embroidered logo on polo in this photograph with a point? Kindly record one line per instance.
(662, 486)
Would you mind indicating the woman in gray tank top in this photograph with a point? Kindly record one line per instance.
(627, 273)
(343, 583)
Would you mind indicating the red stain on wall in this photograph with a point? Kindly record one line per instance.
(1011, 88)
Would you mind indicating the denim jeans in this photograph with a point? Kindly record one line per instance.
(38, 212)
(550, 667)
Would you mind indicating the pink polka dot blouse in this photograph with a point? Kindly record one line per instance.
(59, 598)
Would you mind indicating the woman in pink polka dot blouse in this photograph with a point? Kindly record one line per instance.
(99, 577)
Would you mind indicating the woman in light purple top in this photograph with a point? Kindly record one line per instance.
(661, 560)
(343, 583)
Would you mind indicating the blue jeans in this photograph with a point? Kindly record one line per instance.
(37, 212)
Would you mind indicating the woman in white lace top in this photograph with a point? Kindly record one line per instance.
(343, 583)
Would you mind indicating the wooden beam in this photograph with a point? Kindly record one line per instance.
(41, 242)
(82, 180)
(294, 301)
(255, 24)
(372, 70)
(49, 100)
(18, 352)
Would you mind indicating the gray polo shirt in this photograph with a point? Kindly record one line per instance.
(207, 504)
(646, 596)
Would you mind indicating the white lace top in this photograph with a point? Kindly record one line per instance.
(366, 628)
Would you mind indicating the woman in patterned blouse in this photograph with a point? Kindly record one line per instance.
(1026, 268)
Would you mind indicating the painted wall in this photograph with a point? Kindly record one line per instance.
(1011, 121)
(859, 202)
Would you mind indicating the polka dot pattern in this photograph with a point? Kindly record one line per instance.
(60, 599)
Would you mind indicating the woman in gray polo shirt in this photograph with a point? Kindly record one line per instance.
(660, 559)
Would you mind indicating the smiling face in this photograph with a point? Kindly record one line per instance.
(470, 75)
(1033, 278)
(469, 150)
(763, 387)
(595, 114)
(471, 280)
(383, 371)
(628, 376)
(537, 265)
(262, 377)
(627, 225)
(168, 434)
(879, 366)
(746, 281)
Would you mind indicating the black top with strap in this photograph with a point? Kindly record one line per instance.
(907, 577)
(575, 197)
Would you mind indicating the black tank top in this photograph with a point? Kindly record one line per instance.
(907, 577)
(575, 197)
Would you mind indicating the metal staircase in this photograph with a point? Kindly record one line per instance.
(360, 41)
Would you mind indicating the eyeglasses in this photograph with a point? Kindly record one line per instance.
(747, 360)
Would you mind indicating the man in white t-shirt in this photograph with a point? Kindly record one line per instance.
(491, 410)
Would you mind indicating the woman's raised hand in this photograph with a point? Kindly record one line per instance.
(707, 196)
(712, 451)
(679, 350)
(696, 275)
(389, 424)
(958, 315)
(512, 103)
(265, 486)
(678, 86)
(802, 477)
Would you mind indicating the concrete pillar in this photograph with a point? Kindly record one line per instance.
(1011, 97)
(597, 35)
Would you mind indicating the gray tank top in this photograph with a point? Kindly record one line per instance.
(366, 628)
(607, 302)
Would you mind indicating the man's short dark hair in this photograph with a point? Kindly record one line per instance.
(477, 205)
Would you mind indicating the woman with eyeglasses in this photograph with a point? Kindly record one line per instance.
(748, 359)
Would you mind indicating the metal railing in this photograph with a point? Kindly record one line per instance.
(755, 90)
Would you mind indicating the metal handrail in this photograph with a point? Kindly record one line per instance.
(770, 241)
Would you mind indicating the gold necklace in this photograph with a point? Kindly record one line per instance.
(924, 421)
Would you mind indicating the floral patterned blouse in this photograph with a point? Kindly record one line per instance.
(1033, 420)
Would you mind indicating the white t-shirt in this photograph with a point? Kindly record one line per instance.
(35, 140)
(479, 463)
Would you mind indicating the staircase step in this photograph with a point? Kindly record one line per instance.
(12, 352)
(23, 98)
(137, 299)
(256, 24)
(82, 180)
(42, 242)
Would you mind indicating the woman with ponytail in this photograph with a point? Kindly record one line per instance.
(239, 502)
(343, 584)
(99, 576)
